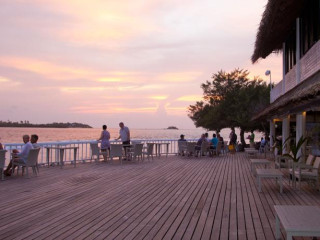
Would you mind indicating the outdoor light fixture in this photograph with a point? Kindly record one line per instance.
(268, 73)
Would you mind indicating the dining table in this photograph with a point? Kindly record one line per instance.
(61, 150)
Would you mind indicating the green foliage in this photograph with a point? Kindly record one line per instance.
(294, 148)
(231, 100)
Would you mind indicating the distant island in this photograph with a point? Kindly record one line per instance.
(26, 124)
(172, 127)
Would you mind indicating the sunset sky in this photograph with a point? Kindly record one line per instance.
(139, 61)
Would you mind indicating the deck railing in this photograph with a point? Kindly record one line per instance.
(84, 151)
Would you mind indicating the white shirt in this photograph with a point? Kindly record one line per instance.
(25, 151)
(124, 134)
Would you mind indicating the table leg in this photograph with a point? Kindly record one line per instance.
(75, 156)
(61, 156)
(280, 180)
(277, 227)
(48, 156)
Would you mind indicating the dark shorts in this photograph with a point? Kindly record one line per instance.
(126, 143)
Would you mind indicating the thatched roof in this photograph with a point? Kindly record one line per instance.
(304, 97)
(276, 24)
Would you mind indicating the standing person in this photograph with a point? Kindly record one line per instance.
(233, 140)
(20, 156)
(124, 134)
(252, 139)
(105, 143)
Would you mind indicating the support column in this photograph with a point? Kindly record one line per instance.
(285, 134)
(300, 128)
(298, 67)
(272, 132)
(283, 68)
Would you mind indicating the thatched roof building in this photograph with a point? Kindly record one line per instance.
(275, 26)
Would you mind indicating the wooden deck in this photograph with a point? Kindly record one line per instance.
(169, 198)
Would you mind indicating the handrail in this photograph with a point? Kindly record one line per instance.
(84, 151)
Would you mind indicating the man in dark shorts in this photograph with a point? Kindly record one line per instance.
(124, 134)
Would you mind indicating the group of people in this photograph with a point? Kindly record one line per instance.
(21, 156)
(124, 135)
(212, 143)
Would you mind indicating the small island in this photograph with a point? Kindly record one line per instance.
(172, 127)
(27, 124)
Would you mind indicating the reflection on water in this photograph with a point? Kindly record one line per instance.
(14, 135)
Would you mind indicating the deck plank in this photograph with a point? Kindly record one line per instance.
(169, 198)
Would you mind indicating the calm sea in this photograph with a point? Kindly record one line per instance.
(14, 135)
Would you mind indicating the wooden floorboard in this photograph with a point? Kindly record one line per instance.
(168, 198)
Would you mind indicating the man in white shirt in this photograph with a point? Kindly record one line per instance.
(34, 141)
(20, 157)
(124, 134)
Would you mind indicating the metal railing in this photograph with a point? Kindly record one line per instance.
(84, 151)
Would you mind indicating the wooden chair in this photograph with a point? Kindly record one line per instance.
(2, 162)
(31, 161)
(116, 151)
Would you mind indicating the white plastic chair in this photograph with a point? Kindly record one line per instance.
(2, 162)
(31, 161)
(149, 151)
(136, 152)
(116, 151)
(191, 148)
(96, 151)
(182, 147)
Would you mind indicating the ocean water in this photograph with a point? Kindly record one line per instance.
(14, 135)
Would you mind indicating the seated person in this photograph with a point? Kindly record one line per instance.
(19, 156)
(214, 141)
(199, 143)
(221, 140)
(181, 149)
(182, 138)
(34, 141)
(207, 138)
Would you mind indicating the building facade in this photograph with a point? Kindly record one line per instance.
(293, 28)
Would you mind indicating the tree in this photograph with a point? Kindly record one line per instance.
(231, 100)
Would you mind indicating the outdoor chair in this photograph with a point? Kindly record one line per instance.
(182, 147)
(136, 152)
(307, 172)
(280, 161)
(148, 151)
(2, 162)
(204, 150)
(116, 151)
(191, 148)
(96, 151)
(216, 151)
(31, 161)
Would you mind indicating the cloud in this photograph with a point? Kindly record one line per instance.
(190, 98)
